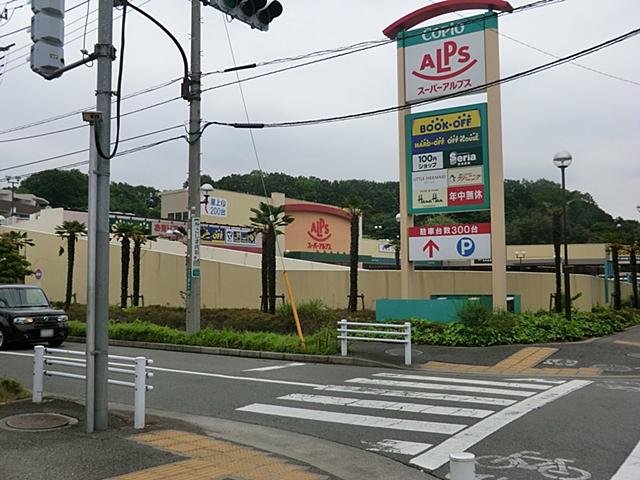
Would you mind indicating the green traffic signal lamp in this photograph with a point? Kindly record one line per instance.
(266, 15)
(231, 3)
(250, 7)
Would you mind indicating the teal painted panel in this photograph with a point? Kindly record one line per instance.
(440, 311)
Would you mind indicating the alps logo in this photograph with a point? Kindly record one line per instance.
(449, 60)
(320, 231)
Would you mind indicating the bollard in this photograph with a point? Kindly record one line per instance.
(343, 340)
(462, 466)
(407, 345)
(38, 373)
(140, 392)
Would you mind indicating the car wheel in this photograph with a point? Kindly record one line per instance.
(55, 343)
(2, 339)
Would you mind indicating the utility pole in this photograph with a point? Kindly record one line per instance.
(98, 271)
(13, 181)
(193, 244)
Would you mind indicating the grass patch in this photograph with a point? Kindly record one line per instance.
(322, 342)
(11, 389)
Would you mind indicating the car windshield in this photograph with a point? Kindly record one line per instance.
(23, 297)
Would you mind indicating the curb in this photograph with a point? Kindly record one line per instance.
(234, 352)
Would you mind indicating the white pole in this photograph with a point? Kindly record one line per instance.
(38, 373)
(140, 392)
(343, 339)
(462, 466)
(407, 345)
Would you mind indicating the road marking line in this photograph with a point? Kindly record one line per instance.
(630, 469)
(399, 447)
(435, 386)
(438, 456)
(623, 342)
(353, 419)
(233, 377)
(463, 380)
(273, 367)
(538, 380)
(382, 405)
(422, 395)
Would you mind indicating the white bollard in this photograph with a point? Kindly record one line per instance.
(38, 373)
(343, 340)
(407, 345)
(462, 466)
(140, 392)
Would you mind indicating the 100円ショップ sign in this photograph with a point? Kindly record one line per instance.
(447, 162)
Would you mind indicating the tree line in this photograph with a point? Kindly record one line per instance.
(528, 203)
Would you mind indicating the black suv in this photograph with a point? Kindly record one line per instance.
(26, 316)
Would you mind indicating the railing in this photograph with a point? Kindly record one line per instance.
(384, 332)
(70, 358)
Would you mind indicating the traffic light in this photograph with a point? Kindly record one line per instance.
(47, 34)
(255, 13)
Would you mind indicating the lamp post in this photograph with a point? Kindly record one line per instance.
(206, 190)
(520, 256)
(562, 160)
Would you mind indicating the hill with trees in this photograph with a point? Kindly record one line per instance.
(528, 203)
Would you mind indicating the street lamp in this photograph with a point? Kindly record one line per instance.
(562, 160)
(520, 256)
(206, 190)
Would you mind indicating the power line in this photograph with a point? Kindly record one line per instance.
(340, 51)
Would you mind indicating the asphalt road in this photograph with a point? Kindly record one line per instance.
(519, 428)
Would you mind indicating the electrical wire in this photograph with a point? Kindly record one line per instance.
(69, 154)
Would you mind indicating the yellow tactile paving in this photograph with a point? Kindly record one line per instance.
(211, 459)
(520, 362)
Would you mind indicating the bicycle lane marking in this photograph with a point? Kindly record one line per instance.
(460, 442)
(630, 469)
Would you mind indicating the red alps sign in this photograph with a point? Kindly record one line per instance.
(445, 59)
(320, 233)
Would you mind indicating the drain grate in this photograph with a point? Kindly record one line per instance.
(38, 422)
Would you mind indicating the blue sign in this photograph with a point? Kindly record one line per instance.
(465, 247)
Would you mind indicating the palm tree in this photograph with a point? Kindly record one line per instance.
(123, 232)
(140, 235)
(354, 248)
(269, 220)
(633, 262)
(14, 242)
(71, 230)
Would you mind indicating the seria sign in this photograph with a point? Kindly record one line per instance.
(445, 58)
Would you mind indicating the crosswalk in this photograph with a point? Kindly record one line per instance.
(425, 417)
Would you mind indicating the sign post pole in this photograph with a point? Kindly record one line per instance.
(496, 177)
(406, 220)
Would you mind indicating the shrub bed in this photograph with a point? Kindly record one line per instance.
(10, 390)
(322, 342)
(502, 328)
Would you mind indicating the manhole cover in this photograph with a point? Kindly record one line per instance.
(39, 421)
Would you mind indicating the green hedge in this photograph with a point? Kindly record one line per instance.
(540, 327)
(11, 389)
(323, 342)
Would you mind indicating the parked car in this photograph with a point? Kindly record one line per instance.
(26, 316)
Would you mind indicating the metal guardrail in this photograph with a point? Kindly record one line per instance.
(385, 331)
(136, 366)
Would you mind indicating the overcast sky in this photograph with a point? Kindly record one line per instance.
(593, 116)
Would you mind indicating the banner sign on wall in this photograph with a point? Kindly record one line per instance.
(445, 58)
(226, 235)
(450, 242)
(215, 206)
(447, 160)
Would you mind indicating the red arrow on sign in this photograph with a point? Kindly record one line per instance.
(431, 246)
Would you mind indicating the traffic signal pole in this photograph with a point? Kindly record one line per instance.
(193, 263)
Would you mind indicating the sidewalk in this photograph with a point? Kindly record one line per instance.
(177, 447)
(617, 354)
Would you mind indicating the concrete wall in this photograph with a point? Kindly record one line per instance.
(226, 284)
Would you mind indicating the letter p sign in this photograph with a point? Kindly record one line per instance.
(465, 247)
